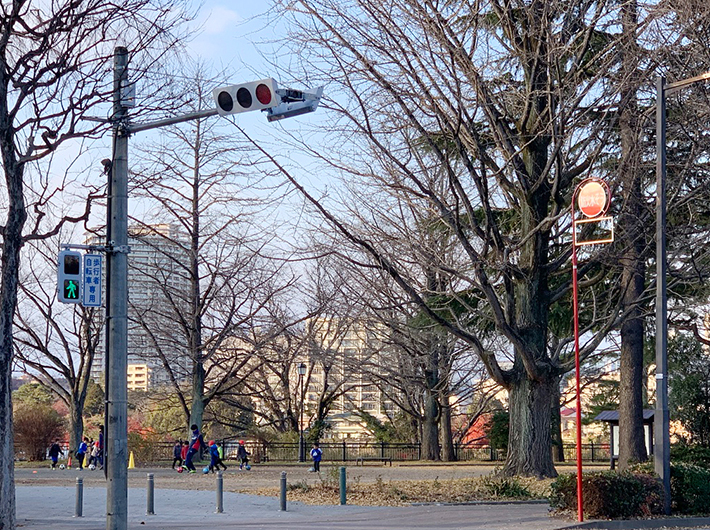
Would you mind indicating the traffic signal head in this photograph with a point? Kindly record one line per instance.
(69, 277)
(257, 95)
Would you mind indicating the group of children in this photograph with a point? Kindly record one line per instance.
(183, 453)
(89, 450)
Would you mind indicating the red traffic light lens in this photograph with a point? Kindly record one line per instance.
(225, 102)
(263, 94)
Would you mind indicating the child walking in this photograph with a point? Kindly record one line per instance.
(242, 456)
(177, 453)
(316, 455)
(215, 460)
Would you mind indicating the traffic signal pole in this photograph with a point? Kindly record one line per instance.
(116, 443)
(116, 422)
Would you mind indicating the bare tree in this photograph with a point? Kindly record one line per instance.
(313, 334)
(416, 363)
(635, 239)
(54, 59)
(515, 91)
(212, 278)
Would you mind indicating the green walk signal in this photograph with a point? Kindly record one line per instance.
(69, 277)
(71, 290)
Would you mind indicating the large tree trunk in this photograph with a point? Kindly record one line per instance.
(631, 436)
(7, 452)
(76, 426)
(430, 430)
(529, 451)
(447, 438)
(197, 409)
(11, 245)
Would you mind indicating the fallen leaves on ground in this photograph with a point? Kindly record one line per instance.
(325, 490)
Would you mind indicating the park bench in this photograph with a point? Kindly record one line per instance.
(360, 460)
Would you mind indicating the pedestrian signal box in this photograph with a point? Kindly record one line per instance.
(69, 277)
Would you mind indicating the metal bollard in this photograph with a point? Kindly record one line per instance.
(79, 507)
(220, 492)
(283, 491)
(150, 495)
(343, 487)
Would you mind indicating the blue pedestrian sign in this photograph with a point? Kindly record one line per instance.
(91, 286)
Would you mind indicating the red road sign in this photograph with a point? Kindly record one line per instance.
(593, 198)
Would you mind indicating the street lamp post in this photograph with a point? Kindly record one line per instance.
(301, 445)
(662, 416)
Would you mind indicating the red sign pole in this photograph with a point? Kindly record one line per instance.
(575, 310)
(594, 198)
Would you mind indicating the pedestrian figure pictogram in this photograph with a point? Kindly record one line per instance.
(71, 289)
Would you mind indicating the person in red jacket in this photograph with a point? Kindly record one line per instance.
(185, 447)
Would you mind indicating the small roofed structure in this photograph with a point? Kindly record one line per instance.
(612, 418)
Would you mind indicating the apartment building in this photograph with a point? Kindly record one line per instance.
(157, 284)
(345, 359)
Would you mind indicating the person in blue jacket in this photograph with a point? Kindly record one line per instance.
(316, 455)
(215, 460)
(81, 452)
(197, 442)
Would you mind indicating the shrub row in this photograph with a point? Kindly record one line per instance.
(639, 493)
(610, 495)
(690, 487)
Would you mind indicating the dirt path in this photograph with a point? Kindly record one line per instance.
(260, 477)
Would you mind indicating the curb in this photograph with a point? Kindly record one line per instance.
(677, 522)
(479, 503)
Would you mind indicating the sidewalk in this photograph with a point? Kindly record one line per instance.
(52, 508)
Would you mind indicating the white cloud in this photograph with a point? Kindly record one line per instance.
(218, 19)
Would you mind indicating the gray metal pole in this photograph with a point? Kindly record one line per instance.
(301, 442)
(220, 492)
(343, 487)
(116, 326)
(283, 491)
(661, 417)
(150, 495)
(79, 506)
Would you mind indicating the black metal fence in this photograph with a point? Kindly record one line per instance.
(346, 451)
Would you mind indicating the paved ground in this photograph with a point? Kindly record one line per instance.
(52, 508)
(46, 500)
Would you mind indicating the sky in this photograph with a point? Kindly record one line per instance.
(227, 35)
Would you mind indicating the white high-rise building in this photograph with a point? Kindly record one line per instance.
(158, 288)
